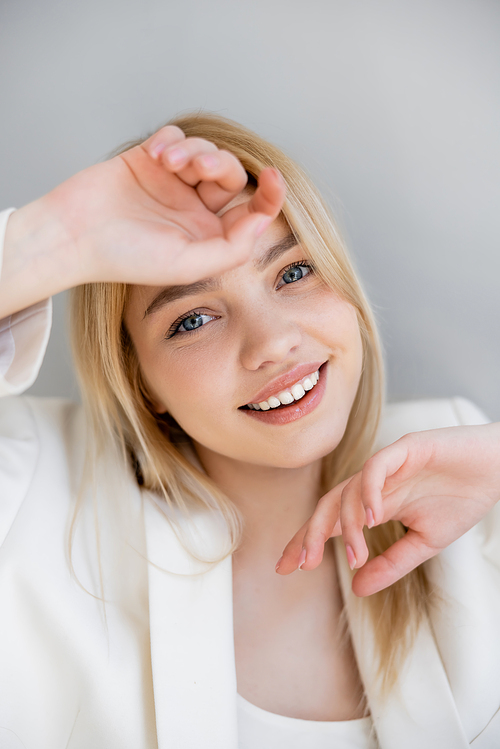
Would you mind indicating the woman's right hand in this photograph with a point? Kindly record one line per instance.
(147, 216)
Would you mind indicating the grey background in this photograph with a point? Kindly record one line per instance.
(392, 106)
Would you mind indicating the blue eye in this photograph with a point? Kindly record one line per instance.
(295, 272)
(192, 322)
(189, 322)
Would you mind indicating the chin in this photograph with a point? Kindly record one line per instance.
(299, 456)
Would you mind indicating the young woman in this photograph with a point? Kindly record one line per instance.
(231, 376)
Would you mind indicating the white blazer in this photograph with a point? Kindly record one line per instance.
(154, 666)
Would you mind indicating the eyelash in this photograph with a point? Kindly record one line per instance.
(177, 323)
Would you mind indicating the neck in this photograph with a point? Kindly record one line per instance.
(274, 502)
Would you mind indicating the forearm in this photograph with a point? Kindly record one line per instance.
(137, 219)
(37, 259)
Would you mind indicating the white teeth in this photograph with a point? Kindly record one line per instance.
(308, 384)
(295, 393)
(298, 391)
(286, 397)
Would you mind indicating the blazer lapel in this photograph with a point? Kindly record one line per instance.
(420, 711)
(192, 644)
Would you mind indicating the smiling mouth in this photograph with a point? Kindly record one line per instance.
(288, 396)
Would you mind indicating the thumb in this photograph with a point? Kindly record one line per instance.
(242, 235)
(244, 232)
(214, 256)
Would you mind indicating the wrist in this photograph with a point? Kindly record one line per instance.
(38, 259)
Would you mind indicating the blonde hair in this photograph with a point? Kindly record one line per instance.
(118, 404)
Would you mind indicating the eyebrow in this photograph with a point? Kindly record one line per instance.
(171, 294)
(276, 251)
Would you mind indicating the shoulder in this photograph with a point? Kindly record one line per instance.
(38, 437)
(419, 415)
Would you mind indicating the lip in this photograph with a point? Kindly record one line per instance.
(285, 381)
(297, 409)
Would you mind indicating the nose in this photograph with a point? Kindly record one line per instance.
(269, 337)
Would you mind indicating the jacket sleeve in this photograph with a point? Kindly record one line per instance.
(23, 338)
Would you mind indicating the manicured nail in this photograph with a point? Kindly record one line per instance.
(176, 155)
(209, 162)
(302, 558)
(278, 563)
(263, 226)
(370, 520)
(351, 559)
(157, 150)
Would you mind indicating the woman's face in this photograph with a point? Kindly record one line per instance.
(255, 334)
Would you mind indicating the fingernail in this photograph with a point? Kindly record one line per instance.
(370, 520)
(351, 559)
(209, 162)
(302, 558)
(176, 155)
(278, 563)
(157, 150)
(263, 226)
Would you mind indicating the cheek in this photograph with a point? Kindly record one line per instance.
(335, 323)
(189, 385)
(340, 332)
(353, 351)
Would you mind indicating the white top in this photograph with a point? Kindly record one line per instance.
(260, 729)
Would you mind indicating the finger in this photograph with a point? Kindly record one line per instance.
(352, 520)
(162, 139)
(374, 475)
(222, 177)
(396, 562)
(180, 159)
(290, 559)
(211, 257)
(270, 193)
(311, 538)
(268, 198)
(324, 524)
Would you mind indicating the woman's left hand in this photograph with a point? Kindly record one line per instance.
(438, 483)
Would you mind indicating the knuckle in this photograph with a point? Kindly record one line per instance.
(393, 566)
(173, 131)
(347, 497)
(316, 534)
(231, 158)
(371, 463)
(346, 493)
(348, 525)
(200, 144)
(324, 500)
